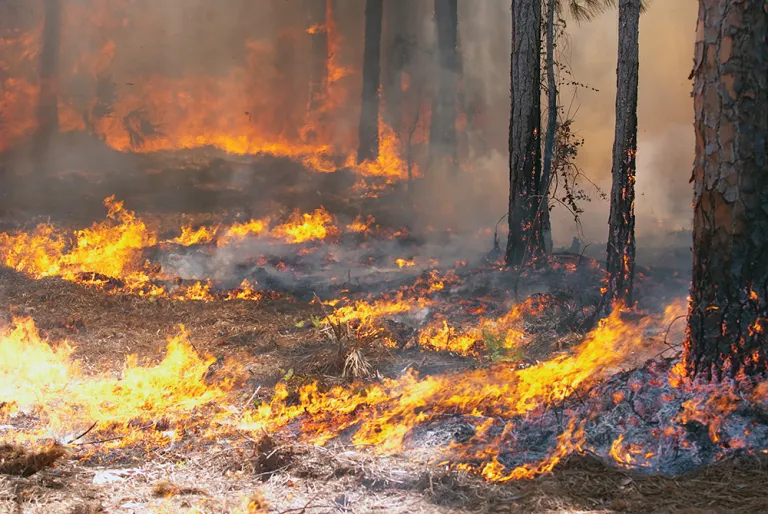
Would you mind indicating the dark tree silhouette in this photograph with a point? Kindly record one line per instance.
(48, 100)
(442, 131)
(368, 148)
(317, 19)
(729, 293)
(525, 231)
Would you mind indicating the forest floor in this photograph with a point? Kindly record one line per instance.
(276, 342)
(226, 475)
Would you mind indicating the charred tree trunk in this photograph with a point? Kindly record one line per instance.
(549, 141)
(369, 114)
(620, 262)
(729, 294)
(442, 130)
(48, 100)
(525, 230)
(319, 69)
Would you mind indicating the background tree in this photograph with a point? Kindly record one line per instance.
(442, 131)
(729, 294)
(525, 230)
(620, 262)
(317, 14)
(399, 19)
(368, 148)
(48, 100)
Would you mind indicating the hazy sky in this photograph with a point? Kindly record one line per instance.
(665, 115)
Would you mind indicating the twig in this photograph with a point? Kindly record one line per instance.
(101, 441)
(248, 402)
(666, 334)
(84, 433)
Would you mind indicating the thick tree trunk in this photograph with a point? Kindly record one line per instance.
(319, 67)
(442, 130)
(549, 141)
(369, 114)
(729, 293)
(620, 262)
(48, 100)
(525, 228)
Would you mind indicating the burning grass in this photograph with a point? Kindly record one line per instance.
(245, 379)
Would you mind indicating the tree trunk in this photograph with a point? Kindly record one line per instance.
(369, 114)
(620, 262)
(319, 67)
(525, 234)
(398, 15)
(48, 100)
(549, 141)
(729, 293)
(442, 130)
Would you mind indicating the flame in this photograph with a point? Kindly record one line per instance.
(306, 227)
(244, 110)
(360, 226)
(191, 236)
(50, 385)
(403, 263)
(111, 248)
(383, 414)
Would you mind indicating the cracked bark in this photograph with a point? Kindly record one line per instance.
(729, 292)
(525, 241)
(368, 149)
(620, 260)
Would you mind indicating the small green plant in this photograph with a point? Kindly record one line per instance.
(317, 321)
(494, 343)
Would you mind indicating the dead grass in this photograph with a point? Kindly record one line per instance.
(19, 461)
(241, 474)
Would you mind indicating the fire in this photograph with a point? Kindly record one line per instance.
(383, 414)
(111, 248)
(306, 227)
(50, 385)
(405, 263)
(360, 226)
(191, 236)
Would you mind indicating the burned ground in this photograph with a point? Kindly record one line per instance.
(282, 339)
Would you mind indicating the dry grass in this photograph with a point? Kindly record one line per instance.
(18, 461)
(241, 474)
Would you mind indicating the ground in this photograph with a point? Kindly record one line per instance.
(276, 341)
(223, 476)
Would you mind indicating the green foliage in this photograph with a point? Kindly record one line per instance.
(494, 343)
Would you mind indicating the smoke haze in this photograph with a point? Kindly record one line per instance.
(228, 70)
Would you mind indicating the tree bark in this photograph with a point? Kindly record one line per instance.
(368, 148)
(549, 141)
(620, 262)
(729, 293)
(525, 230)
(442, 130)
(48, 100)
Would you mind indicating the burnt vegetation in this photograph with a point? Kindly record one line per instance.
(252, 259)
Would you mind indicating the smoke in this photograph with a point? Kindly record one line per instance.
(665, 134)
(235, 65)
